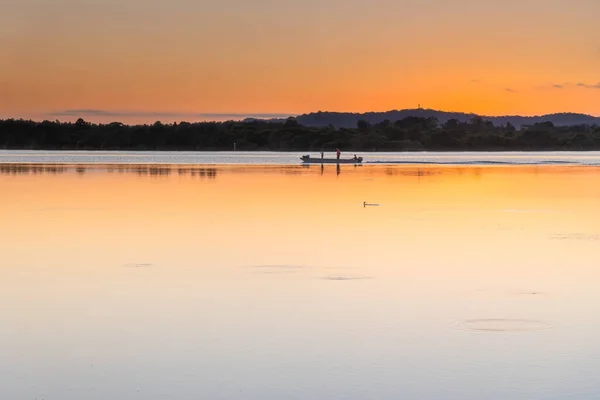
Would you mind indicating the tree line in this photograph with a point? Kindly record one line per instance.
(407, 134)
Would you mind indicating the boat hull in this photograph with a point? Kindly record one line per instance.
(309, 160)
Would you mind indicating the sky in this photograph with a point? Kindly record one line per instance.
(147, 60)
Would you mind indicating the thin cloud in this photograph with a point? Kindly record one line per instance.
(76, 113)
(510, 90)
(582, 85)
(162, 114)
(475, 81)
(588, 86)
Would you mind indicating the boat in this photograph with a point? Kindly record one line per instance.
(318, 160)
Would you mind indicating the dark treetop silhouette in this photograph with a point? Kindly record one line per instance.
(407, 134)
(349, 120)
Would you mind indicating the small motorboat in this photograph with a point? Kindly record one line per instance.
(318, 160)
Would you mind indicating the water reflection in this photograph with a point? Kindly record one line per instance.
(20, 169)
(503, 325)
(163, 170)
(212, 171)
(138, 169)
(288, 282)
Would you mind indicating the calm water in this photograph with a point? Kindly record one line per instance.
(271, 282)
(283, 158)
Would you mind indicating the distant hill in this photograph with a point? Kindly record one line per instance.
(271, 120)
(349, 120)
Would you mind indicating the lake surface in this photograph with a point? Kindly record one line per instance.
(129, 281)
(293, 158)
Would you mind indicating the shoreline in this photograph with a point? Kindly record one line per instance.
(292, 159)
(126, 150)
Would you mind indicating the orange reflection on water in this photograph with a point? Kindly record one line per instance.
(139, 265)
(307, 211)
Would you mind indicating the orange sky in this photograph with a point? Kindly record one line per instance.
(183, 57)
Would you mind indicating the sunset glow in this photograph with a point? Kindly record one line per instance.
(185, 60)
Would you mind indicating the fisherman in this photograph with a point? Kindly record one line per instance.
(338, 153)
(355, 158)
(321, 155)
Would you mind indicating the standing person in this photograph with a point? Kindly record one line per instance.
(321, 155)
(338, 153)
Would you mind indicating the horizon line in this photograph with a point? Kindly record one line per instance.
(170, 114)
(182, 116)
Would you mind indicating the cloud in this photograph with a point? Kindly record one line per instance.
(475, 81)
(81, 113)
(510, 90)
(579, 85)
(76, 113)
(588, 86)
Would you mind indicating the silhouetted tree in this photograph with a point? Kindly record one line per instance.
(407, 134)
(363, 125)
(291, 121)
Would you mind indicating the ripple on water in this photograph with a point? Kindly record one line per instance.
(278, 266)
(274, 269)
(523, 211)
(138, 265)
(503, 325)
(346, 278)
(575, 236)
(530, 293)
(280, 272)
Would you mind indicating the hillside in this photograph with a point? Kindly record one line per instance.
(349, 120)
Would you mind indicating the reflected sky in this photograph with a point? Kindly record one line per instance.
(270, 282)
